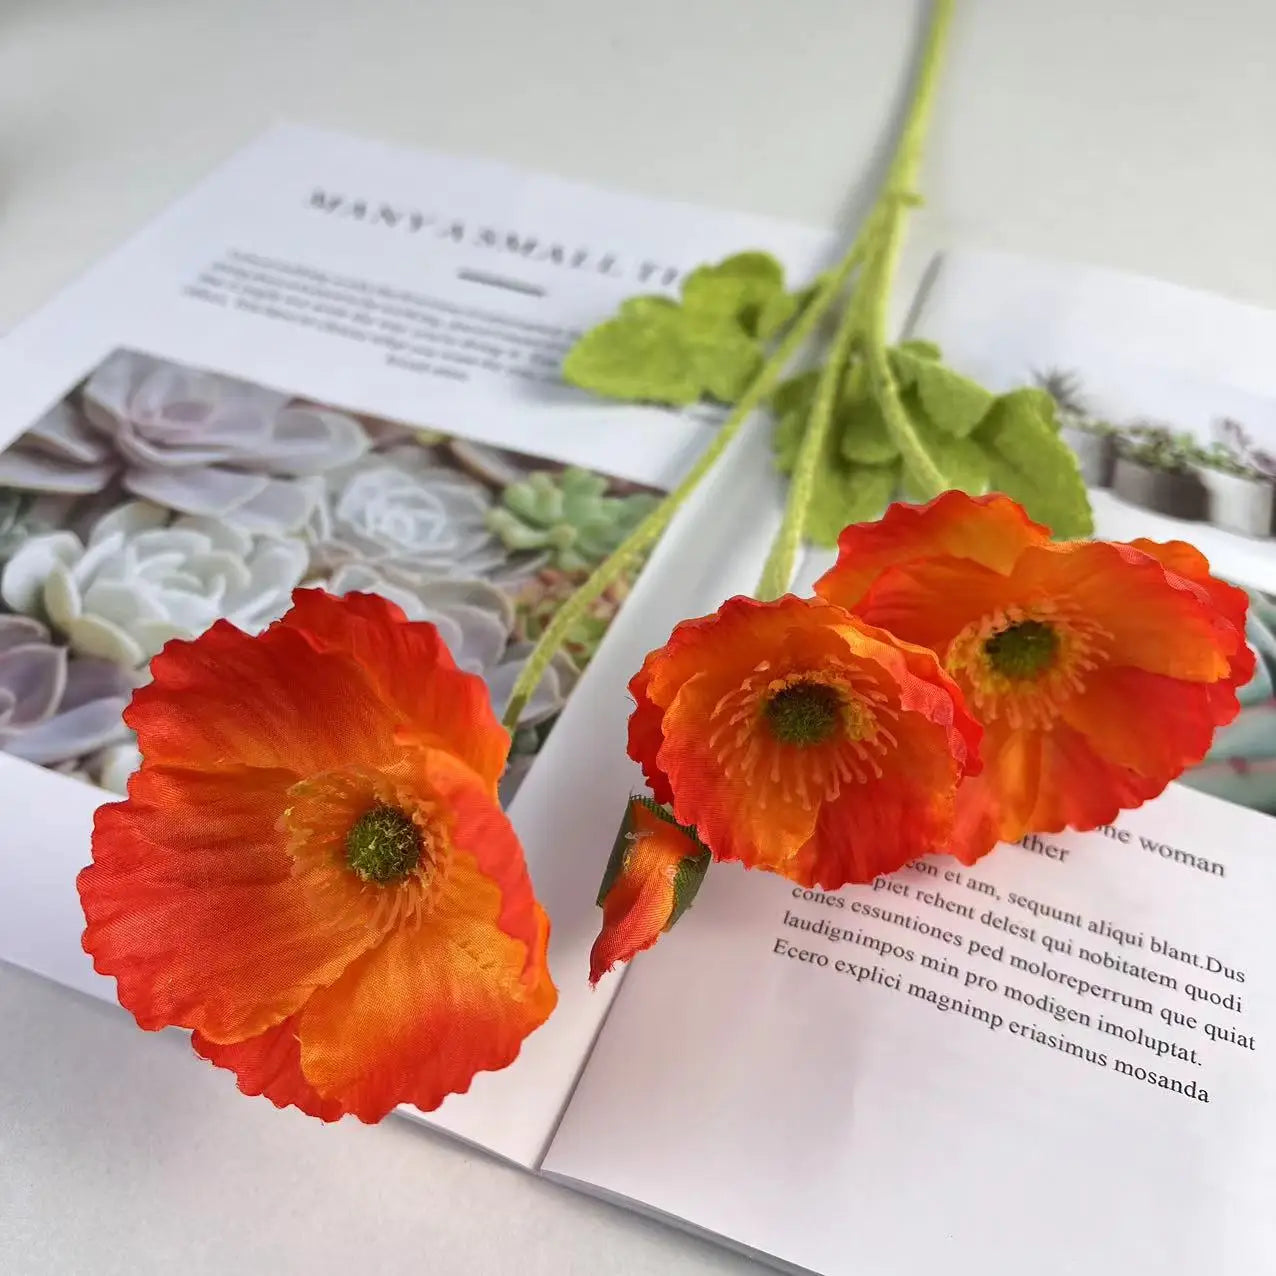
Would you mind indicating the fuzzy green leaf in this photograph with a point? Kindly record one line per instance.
(791, 405)
(724, 360)
(783, 308)
(737, 288)
(922, 349)
(778, 312)
(847, 493)
(963, 462)
(1030, 462)
(658, 352)
(953, 403)
(644, 358)
(648, 305)
(865, 436)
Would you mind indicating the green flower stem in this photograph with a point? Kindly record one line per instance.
(864, 325)
(649, 530)
(879, 273)
(777, 573)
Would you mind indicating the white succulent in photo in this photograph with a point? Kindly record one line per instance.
(401, 509)
(198, 442)
(54, 708)
(144, 577)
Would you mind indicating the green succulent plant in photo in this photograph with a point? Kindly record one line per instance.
(569, 515)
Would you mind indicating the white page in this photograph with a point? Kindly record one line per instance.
(592, 248)
(845, 1125)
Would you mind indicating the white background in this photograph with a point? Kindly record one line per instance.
(1133, 133)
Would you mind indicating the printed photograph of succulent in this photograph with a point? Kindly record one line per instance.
(1222, 475)
(155, 499)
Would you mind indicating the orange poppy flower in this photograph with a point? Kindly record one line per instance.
(794, 737)
(311, 870)
(1099, 670)
(655, 870)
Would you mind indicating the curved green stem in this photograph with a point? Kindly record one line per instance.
(864, 323)
(879, 274)
(649, 530)
(878, 245)
(777, 573)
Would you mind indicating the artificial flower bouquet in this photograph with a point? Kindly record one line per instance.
(312, 871)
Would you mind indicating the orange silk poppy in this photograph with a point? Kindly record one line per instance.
(311, 870)
(1099, 670)
(655, 870)
(794, 737)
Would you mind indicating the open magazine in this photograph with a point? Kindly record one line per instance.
(335, 363)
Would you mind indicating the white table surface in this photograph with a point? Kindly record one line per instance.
(1133, 133)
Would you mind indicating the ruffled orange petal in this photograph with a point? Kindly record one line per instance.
(997, 805)
(645, 733)
(1152, 724)
(1080, 789)
(1043, 782)
(1143, 617)
(751, 797)
(270, 1065)
(410, 671)
(989, 530)
(1230, 603)
(231, 700)
(640, 903)
(192, 904)
(907, 813)
(416, 1019)
(929, 602)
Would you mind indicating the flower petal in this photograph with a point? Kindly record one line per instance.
(1147, 722)
(416, 1019)
(193, 905)
(989, 530)
(646, 733)
(270, 1065)
(411, 669)
(229, 700)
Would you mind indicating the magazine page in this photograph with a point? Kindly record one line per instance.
(1053, 1062)
(1074, 1029)
(335, 363)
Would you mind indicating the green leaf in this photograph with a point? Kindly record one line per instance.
(922, 349)
(1030, 463)
(737, 288)
(865, 436)
(645, 357)
(953, 403)
(847, 493)
(844, 491)
(791, 405)
(778, 312)
(963, 462)
(784, 307)
(647, 306)
(724, 360)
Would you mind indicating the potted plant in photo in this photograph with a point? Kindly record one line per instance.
(1154, 469)
(1091, 439)
(1239, 495)
(1241, 481)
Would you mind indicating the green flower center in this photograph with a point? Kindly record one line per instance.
(1023, 650)
(804, 714)
(383, 845)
